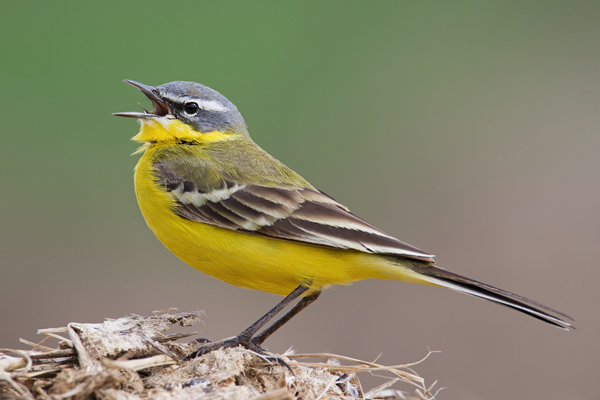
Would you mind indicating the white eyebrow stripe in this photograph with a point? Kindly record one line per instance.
(211, 105)
(208, 105)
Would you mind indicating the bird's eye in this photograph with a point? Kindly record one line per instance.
(191, 108)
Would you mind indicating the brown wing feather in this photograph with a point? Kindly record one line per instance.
(303, 215)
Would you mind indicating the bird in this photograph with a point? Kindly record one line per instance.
(226, 207)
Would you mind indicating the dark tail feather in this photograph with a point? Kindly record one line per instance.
(472, 287)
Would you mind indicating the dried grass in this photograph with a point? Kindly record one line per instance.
(133, 358)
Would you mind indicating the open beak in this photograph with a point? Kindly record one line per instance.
(159, 107)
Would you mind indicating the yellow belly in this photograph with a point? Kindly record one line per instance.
(252, 261)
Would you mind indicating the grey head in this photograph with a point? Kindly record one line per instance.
(197, 105)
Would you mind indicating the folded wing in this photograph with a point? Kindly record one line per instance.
(284, 212)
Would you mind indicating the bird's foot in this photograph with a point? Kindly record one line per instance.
(203, 340)
(208, 346)
(252, 344)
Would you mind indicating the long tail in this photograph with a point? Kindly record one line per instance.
(465, 285)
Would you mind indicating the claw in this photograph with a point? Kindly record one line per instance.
(228, 344)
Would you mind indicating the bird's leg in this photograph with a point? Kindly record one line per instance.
(245, 338)
(252, 329)
(301, 305)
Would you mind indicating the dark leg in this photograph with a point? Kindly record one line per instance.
(301, 305)
(248, 333)
(246, 337)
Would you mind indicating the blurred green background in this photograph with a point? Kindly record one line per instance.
(469, 129)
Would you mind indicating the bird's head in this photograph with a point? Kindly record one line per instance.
(186, 112)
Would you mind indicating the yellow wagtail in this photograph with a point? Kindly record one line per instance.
(229, 209)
